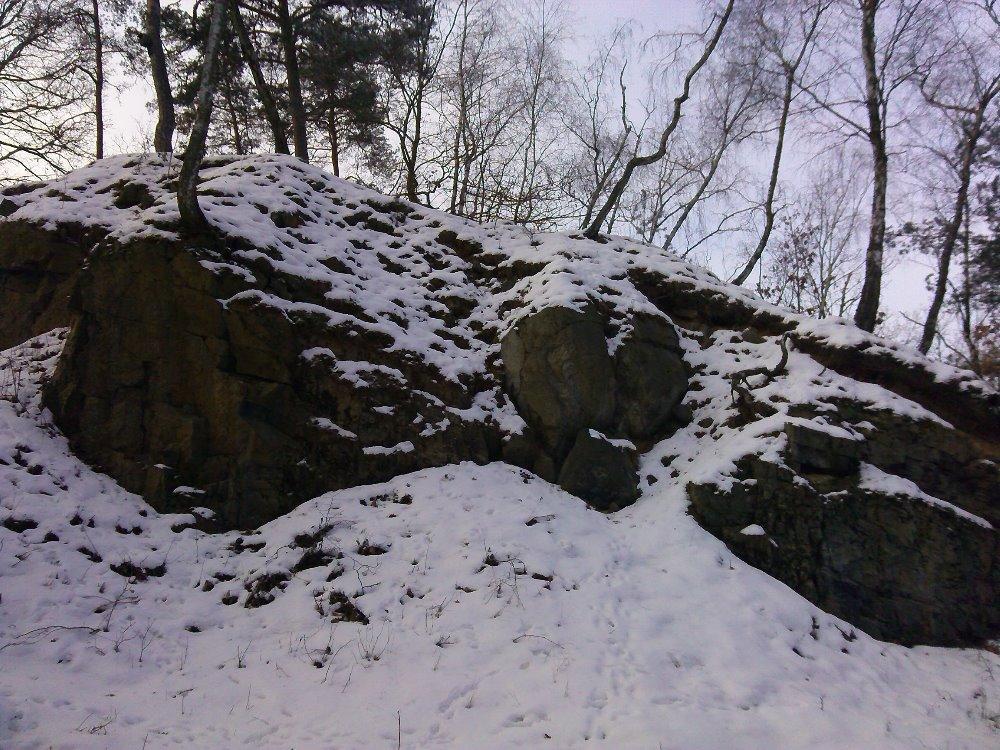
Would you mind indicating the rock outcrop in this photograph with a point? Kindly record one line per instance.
(243, 407)
(338, 337)
(567, 385)
(38, 272)
(860, 542)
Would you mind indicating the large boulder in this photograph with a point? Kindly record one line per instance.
(567, 386)
(560, 374)
(601, 470)
(650, 377)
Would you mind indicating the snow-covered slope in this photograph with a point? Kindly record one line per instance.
(464, 606)
(382, 255)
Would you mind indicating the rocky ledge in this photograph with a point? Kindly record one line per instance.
(339, 337)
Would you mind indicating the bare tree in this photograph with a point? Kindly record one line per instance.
(151, 38)
(409, 84)
(43, 115)
(875, 104)
(719, 22)
(961, 82)
(857, 93)
(603, 135)
(479, 111)
(187, 184)
(816, 265)
(786, 47)
(729, 117)
(535, 189)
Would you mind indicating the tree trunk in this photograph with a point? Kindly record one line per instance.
(267, 101)
(411, 158)
(641, 161)
(234, 121)
(152, 40)
(975, 361)
(296, 106)
(951, 231)
(866, 315)
(772, 186)
(786, 105)
(706, 180)
(98, 78)
(187, 184)
(334, 142)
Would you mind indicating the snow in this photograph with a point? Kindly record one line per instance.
(873, 478)
(328, 424)
(380, 450)
(620, 443)
(754, 530)
(386, 257)
(501, 612)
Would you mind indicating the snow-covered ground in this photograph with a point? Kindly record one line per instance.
(460, 607)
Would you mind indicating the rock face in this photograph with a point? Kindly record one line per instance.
(562, 377)
(566, 383)
(255, 407)
(899, 567)
(601, 471)
(337, 337)
(38, 272)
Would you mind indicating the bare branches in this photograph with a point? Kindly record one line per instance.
(33, 636)
(960, 81)
(43, 112)
(789, 67)
(815, 262)
(740, 381)
(640, 161)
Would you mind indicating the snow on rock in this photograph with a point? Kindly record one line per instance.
(296, 218)
(463, 606)
(341, 338)
(873, 478)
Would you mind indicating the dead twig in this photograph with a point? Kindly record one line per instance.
(33, 636)
(740, 381)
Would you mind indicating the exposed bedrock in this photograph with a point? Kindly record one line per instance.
(901, 565)
(344, 337)
(37, 274)
(575, 395)
(239, 406)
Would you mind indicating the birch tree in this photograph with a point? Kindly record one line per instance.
(961, 83)
(192, 216)
(716, 27)
(862, 95)
(784, 32)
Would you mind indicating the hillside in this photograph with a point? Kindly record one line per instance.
(378, 476)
